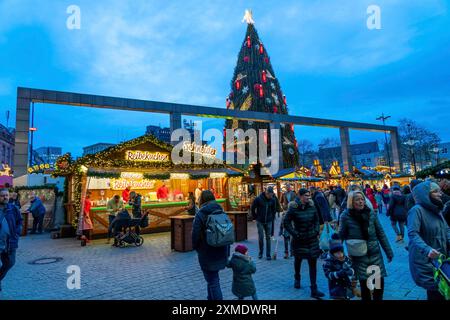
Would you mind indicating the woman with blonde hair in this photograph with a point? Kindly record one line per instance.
(362, 231)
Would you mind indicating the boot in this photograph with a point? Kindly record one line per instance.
(286, 255)
(315, 293)
(297, 283)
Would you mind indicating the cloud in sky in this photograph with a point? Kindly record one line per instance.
(328, 63)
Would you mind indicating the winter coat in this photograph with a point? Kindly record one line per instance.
(243, 268)
(263, 209)
(37, 208)
(302, 223)
(371, 197)
(210, 258)
(87, 221)
(427, 230)
(339, 285)
(397, 208)
(322, 206)
(409, 202)
(136, 206)
(14, 218)
(349, 228)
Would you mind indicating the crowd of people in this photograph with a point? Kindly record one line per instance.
(356, 241)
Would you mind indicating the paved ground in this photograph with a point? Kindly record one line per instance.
(154, 272)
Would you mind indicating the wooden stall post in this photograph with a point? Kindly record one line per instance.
(181, 233)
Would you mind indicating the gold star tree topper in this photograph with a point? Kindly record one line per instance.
(248, 17)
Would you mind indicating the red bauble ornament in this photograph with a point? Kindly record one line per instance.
(246, 59)
(261, 48)
(263, 76)
(284, 100)
(249, 42)
(237, 84)
(266, 60)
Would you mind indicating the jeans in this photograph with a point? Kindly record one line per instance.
(312, 263)
(377, 293)
(264, 228)
(8, 259)
(37, 223)
(111, 219)
(401, 224)
(254, 297)
(213, 285)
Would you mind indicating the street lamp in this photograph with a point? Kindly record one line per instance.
(436, 150)
(411, 144)
(384, 118)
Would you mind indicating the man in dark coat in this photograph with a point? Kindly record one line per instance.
(263, 210)
(211, 259)
(302, 223)
(429, 236)
(12, 215)
(321, 204)
(397, 212)
(37, 210)
(340, 195)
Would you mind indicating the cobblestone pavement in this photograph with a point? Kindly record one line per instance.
(153, 271)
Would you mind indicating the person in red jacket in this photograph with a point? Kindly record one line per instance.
(126, 194)
(371, 196)
(163, 192)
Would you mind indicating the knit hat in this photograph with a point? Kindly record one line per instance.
(303, 191)
(335, 247)
(241, 249)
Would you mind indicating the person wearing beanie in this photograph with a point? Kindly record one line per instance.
(429, 236)
(243, 267)
(302, 223)
(338, 270)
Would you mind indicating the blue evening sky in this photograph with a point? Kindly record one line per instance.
(329, 64)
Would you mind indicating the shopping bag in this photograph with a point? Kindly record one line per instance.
(442, 275)
(325, 237)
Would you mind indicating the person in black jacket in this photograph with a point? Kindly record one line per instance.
(211, 259)
(302, 223)
(322, 205)
(263, 210)
(397, 212)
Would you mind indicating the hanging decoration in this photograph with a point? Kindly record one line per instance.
(228, 103)
(272, 85)
(292, 127)
(269, 75)
(284, 100)
(268, 101)
(247, 103)
(237, 84)
(261, 48)
(246, 59)
(263, 76)
(259, 90)
(275, 109)
(266, 59)
(248, 42)
(245, 90)
(275, 98)
(231, 95)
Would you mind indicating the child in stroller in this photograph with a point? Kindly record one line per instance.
(126, 229)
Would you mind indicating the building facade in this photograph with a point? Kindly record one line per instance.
(363, 154)
(7, 138)
(162, 134)
(96, 148)
(49, 154)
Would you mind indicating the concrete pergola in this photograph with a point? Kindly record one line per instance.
(26, 96)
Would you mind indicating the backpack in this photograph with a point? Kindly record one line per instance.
(4, 232)
(219, 229)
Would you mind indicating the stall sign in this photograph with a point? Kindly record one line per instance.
(121, 184)
(38, 168)
(204, 150)
(182, 176)
(131, 175)
(217, 175)
(146, 156)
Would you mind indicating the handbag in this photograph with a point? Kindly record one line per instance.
(356, 247)
(325, 238)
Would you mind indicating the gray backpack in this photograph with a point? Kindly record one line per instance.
(219, 229)
(4, 232)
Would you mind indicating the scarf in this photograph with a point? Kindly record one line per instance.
(362, 218)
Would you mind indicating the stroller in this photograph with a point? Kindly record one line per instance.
(127, 231)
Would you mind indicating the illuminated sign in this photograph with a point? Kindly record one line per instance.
(136, 155)
(217, 175)
(37, 168)
(183, 176)
(131, 175)
(204, 150)
(121, 184)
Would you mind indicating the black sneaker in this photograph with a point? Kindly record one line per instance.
(297, 284)
(260, 256)
(315, 293)
(269, 258)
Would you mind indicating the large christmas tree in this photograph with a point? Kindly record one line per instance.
(254, 87)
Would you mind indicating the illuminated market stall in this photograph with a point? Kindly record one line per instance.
(144, 165)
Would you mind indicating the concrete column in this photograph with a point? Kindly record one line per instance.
(279, 145)
(21, 141)
(396, 150)
(175, 123)
(345, 149)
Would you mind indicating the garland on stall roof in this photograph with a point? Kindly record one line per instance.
(110, 175)
(433, 171)
(198, 176)
(156, 176)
